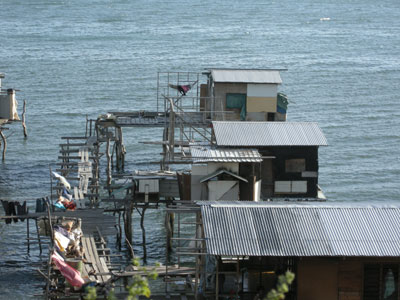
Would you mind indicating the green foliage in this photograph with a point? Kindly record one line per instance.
(111, 295)
(282, 287)
(140, 284)
(138, 287)
(91, 293)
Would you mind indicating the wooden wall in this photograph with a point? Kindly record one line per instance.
(335, 278)
(220, 91)
(317, 279)
(275, 169)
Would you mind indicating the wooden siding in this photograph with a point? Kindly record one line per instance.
(317, 279)
(261, 104)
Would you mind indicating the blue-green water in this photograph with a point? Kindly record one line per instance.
(76, 58)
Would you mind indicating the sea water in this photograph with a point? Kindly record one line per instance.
(72, 59)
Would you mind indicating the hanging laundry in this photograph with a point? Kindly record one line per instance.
(61, 230)
(66, 194)
(61, 241)
(62, 180)
(183, 89)
(21, 210)
(65, 203)
(73, 276)
(6, 210)
(42, 204)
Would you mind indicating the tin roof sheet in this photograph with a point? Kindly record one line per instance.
(202, 154)
(301, 230)
(239, 133)
(246, 76)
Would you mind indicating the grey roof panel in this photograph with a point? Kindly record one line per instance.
(295, 230)
(236, 133)
(246, 76)
(206, 154)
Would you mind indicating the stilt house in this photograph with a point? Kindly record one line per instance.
(336, 251)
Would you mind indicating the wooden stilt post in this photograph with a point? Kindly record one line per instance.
(128, 217)
(164, 147)
(4, 144)
(27, 235)
(108, 163)
(143, 233)
(237, 276)
(23, 120)
(38, 235)
(122, 149)
(119, 234)
(217, 280)
(169, 226)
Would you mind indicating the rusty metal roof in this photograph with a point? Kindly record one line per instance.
(240, 133)
(263, 229)
(202, 154)
(246, 76)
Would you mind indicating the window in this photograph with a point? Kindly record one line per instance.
(295, 165)
(237, 101)
(381, 281)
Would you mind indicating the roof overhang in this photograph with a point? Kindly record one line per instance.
(222, 171)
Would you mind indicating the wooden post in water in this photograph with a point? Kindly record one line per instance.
(4, 144)
(23, 120)
(38, 235)
(108, 163)
(128, 216)
(27, 235)
(143, 233)
(119, 149)
(169, 227)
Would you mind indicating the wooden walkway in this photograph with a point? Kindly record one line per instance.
(93, 219)
(162, 271)
(96, 265)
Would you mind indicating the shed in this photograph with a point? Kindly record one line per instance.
(246, 94)
(8, 105)
(240, 164)
(337, 250)
(294, 171)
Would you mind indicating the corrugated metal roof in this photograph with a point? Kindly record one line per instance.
(202, 154)
(246, 76)
(232, 133)
(300, 230)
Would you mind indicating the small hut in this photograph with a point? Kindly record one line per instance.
(225, 174)
(289, 152)
(244, 94)
(8, 104)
